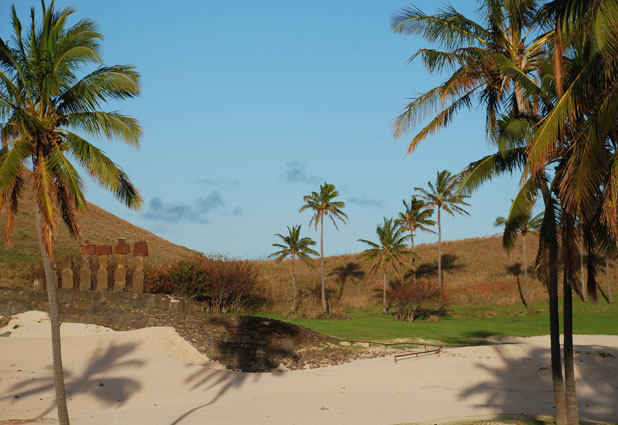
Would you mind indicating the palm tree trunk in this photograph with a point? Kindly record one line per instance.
(52, 296)
(519, 97)
(610, 298)
(413, 258)
(554, 331)
(569, 370)
(526, 275)
(324, 305)
(294, 285)
(384, 290)
(550, 248)
(439, 254)
(583, 276)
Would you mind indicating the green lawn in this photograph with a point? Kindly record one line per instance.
(465, 326)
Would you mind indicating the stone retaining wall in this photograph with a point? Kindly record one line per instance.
(247, 343)
(71, 303)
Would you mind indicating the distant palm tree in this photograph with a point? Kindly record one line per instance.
(445, 196)
(47, 108)
(344, 273)
(323, 205)
(293, 245)
(415, 216)
(523, 225)
(388, 250)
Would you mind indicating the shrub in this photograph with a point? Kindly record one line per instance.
(222, 284)
(407, 299)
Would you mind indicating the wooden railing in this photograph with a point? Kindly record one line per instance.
(433, 349)
(424, 352)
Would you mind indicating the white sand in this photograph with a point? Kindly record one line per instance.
(150, 376)
(36, 324)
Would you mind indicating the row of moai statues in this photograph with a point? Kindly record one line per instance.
(121, 250)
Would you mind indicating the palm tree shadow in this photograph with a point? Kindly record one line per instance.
(449, 264)
(208, 379)
(351, 271)
(94, 380)
(523, 384)
(516, 270)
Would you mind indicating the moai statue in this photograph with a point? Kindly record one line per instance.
(85, 274)
(67, 273)
(120, 274)
(140, 250)
(103, 252)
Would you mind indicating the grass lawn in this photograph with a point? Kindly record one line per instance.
(466, 325)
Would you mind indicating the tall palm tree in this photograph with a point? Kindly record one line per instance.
(46, 110)
(523, 226)
(293, 245)
(495, 62)
(415, 216)
(323, 204)
(580, 134)
(445, 196)
(387, 251)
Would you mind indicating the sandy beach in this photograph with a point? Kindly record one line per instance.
(153, 376)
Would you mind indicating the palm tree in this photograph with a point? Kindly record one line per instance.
(495, 62)
(387, 251)
(524, 225)
(415, 216)
(293, 245)
(443, 196)
(580, 135)
(46, 110)
(323, 205)
(344, 273)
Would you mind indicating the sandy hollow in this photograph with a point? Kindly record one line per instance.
(152, 376)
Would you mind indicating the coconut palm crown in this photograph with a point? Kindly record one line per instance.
(481, 57)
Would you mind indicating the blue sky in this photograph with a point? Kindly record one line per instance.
(248, 106)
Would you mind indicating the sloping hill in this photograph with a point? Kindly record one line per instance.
(19, 262)
(466, 263)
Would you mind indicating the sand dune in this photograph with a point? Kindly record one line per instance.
(152, 376)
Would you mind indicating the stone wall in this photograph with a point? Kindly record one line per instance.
(247, 343)
(75, 303)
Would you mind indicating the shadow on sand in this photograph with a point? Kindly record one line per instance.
(523, 384)
(210, 379)
(93, 381)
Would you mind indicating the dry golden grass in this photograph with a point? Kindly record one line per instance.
(19, 262)
(476, 271)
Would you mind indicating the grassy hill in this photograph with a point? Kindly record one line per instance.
(475, 270)
(19, 263)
